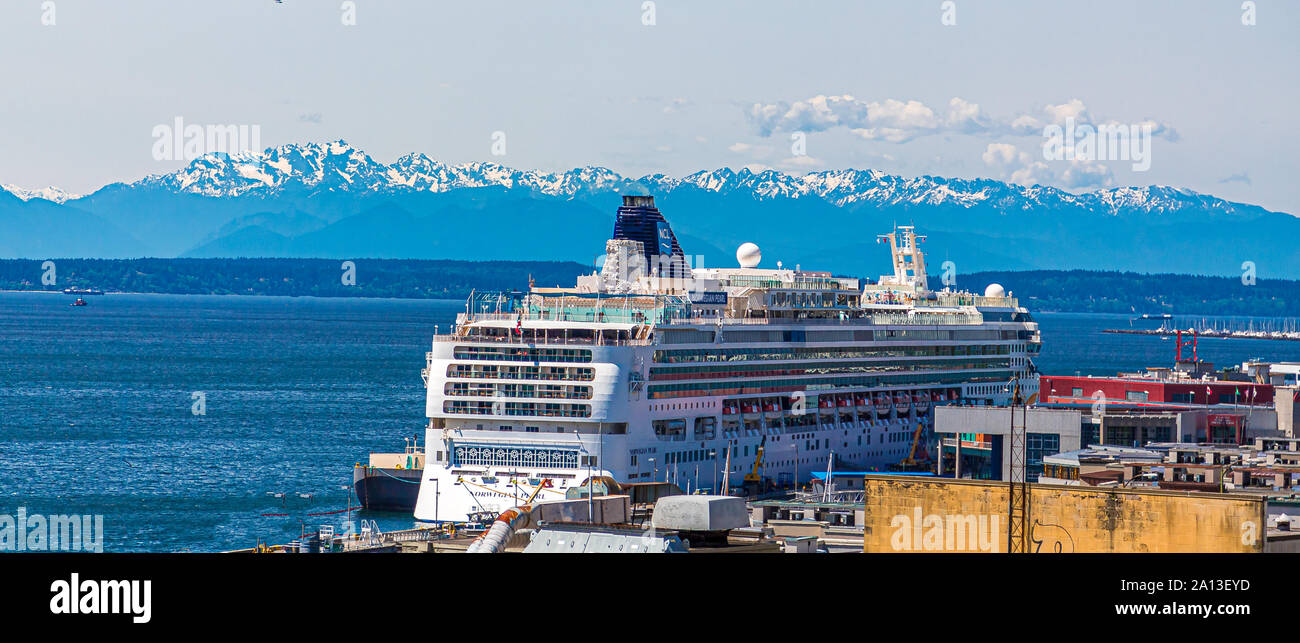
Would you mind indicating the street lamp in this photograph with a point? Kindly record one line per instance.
(713, 453)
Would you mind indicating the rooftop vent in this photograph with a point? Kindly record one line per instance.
(700, 513)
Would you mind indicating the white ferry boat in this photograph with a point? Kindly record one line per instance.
(655, 370)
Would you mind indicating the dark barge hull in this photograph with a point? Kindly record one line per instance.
(387, 489)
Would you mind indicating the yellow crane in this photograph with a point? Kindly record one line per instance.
(909, 463)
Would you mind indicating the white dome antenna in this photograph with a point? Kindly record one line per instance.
(995, 290)
(748, 255)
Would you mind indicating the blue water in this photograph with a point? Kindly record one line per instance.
(96, 410)
(95, 405)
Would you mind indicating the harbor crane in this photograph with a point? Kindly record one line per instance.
(754, 479)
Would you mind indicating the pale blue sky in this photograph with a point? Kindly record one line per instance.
(586, 83)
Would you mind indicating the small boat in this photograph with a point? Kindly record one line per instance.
(79, 302)
(82, 291)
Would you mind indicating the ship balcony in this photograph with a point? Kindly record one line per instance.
(552, 340)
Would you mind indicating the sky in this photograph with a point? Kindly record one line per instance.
(909, 87)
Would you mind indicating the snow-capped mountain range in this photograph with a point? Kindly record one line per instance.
(334, 200)
(338, 167)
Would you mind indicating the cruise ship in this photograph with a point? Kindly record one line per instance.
(654, 369)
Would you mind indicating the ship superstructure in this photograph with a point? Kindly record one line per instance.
(654, 369)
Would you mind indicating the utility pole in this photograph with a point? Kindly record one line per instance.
(1018, 506)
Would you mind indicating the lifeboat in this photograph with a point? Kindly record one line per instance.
(882, 405)
(749, 408)
(922, 402)
(902, 404)
(770, 407)
(728, 410)
(824, 403)
(842, 402)
(861, 401)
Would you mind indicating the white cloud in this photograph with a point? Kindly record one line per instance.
(1018, 166)
(1087, 174)
(802, 161)
(812, 115)
(1001, 155)
(897, 121)
(675, 105)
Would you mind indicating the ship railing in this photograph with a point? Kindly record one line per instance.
(533, 377)
(535, 395)
(550, 339)
(969, 299)
(875, 319)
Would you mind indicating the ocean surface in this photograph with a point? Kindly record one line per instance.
(96, 405)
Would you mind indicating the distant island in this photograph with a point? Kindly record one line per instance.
(398, 278)
(1089, 291)
(1040, 290)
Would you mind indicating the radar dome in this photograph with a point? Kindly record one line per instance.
(748, 255)
(995, 290)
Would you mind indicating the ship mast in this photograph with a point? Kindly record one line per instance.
(909, 261)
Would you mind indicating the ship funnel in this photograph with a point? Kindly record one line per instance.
(630, 201)
(645, 231)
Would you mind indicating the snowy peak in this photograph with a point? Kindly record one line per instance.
(49, 193)
(318, 167)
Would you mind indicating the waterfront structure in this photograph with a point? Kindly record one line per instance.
(657, 370)
(1188, 403)
(1269, 466)
(974, 441)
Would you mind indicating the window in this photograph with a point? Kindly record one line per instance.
(1038, 445)
(1135, 396)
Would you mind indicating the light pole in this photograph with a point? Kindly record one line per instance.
(713, 453)
(591, 509)
(795, 445)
